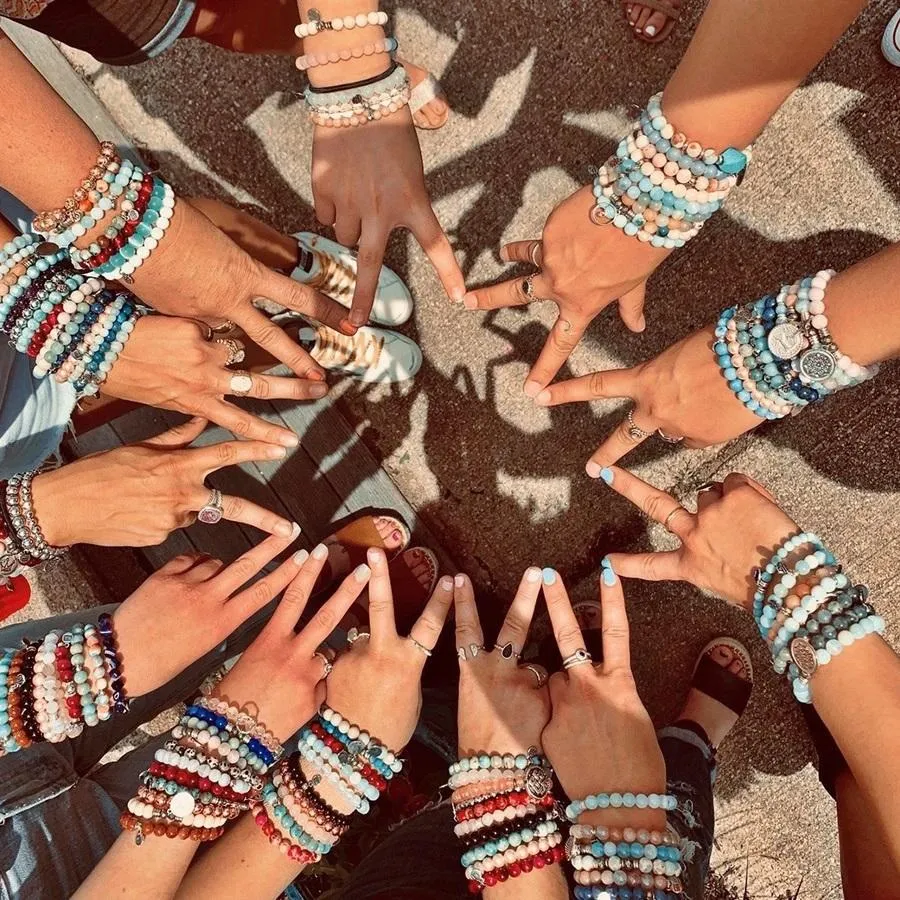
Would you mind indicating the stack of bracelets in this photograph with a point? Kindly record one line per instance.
(51, 690)
(808, 611)
(660, 186)
(777, 353)
(505, 815)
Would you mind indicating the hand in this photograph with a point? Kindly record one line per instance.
(502, 707)
(601, 738)
(279, 679)
(681, 393)
(191, 605)
(366, 182)
(135, 496)
(167, 363)
(377, 684)
(198, 272)
(584, 268)
(738, 526)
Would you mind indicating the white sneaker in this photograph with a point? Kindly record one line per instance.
(890, 41)
(331, 269)
(371, 355)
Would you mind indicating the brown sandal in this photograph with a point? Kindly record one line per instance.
(666, 7)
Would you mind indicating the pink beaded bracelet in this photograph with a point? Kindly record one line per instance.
(312, 60)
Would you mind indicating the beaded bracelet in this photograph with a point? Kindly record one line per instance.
(317, 24)
(21, 516)
(313, 60)
(365, 102)
(618, 800)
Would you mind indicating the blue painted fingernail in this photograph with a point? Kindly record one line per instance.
(605, 563)
(549, 576)
(607, 475)
(609, 577)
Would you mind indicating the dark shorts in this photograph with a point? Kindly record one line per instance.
(117, 32)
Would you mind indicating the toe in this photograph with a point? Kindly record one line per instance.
(642, 19)
(654, 24)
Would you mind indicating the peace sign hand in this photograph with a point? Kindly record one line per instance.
(503, 707)
(600, 737)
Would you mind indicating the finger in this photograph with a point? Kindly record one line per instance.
(665, 566)
(236, 509)
(329, 616)
(596, 386)
(347, 229)
(737, 479)
(566, 629)
(180, 436)
(631, 307)
(273, 339)
(382, 624)
(250, 427)
(616, 649)
(622, 441)
(524, 252)
(518, 620)
(273, 387)
(325, 209)
(428, 627)
(251, 563)
(710, 494)
(564, 336)
(468, 625)
(255, 597)
(507, 293)
(231, 453)
(652, 502)
(178, 565)
(368, 269)
(434, 241)
(285, 617)
(204, 569)
(558, 686)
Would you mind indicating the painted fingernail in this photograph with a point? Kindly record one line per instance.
(459, 580)
(300, 557)
(543, 398)
(284, 529)
(318, 390)
(470, 301)
(375, 556)
(593, 469)
(362, 573)
(276, 452)
(295, 530)
(347, 327)
(532, 389)
(607, 475)
(549, 576)
(609, 577)
(605, 563)
(320, 552)
(650, 30)
(533, 574)
(289, 440)
(447, 583)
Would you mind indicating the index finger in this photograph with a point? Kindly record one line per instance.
(654, 503)
(368, 269)
(382, 624)
(514, 292)
(302, 298)
(564, 336)
(434, 241)
(612, 383)
(622, 441)
(615, 630)
(329, 616)
(566, 629)
(231, 453)
(271, 338)
(428, 627)
(468, 625)
(251, 563)
(295, 598)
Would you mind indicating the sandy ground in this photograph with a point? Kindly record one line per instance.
(501, 480)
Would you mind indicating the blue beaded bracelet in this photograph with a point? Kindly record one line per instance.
(617, 800)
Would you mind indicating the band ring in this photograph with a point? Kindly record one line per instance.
(327, 664)
(533, 252)
(213, 510)
(708, 486)
(580, 657)
(508, 650)
(669, 438)
(473, 649)
(235, 349)
(636, 434)
(355, 634)
(418, 646)
(668, 518)
(540, 675)
(241, 383)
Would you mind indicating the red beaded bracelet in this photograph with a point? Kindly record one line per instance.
(514, 870)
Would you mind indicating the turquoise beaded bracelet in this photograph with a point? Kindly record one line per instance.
(616, 800)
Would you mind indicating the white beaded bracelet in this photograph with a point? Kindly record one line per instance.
(317, 24)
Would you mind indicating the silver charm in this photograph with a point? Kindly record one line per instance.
(785, 340)
(804, 657)
(817, 364)
(538, 782)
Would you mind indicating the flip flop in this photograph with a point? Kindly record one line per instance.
(668, 9)
(723, 686)
(428, 89)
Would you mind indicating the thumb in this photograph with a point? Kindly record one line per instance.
(631, 307)
(180, 436)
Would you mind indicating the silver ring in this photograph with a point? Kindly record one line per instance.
(508, 650)
(240, 384)
(668, 518)
(418, 646)
(539, 673)
(473, 649)
(326, 662)
(354, 635)
(213, 510)
(635, 432)
(669, 438)
(532, 253)
(223, 327)
(579, 658)
(528, 287)
(235, 349)
(708, 486)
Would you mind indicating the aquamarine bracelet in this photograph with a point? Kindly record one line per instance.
(617, 800)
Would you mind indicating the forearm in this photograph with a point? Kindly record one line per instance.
(744, 61)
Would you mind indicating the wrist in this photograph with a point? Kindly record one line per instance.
(50, 508)
(329, 792)
(345, 71)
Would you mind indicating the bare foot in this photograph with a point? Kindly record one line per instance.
(712, 716)
(646, 22)
(435, 112)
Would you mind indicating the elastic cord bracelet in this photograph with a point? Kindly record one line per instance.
(616, 800)
(324, 91)
(317, 24)
(375, 48)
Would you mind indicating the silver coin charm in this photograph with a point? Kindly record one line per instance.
(785, 340)
(817, 364)
(804, 657)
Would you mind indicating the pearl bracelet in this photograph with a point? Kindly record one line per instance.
(317, 24)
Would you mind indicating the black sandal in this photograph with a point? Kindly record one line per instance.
(723, 686)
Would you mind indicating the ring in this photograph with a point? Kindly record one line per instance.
(708, 486)
(213, 510)
(474, 650)
(533, 252)
(635, 432)
(668, 518)
(539, 674)
(354, 635)
(528, 287)
(508, 650)
(240, 383)
(670, 438)
(326, 662)
(223, 327)
(579, 658)
(235, 350)
(418, 646)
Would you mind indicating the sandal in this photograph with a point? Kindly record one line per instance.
(666, 7)
(421, 94)
(723, 686)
